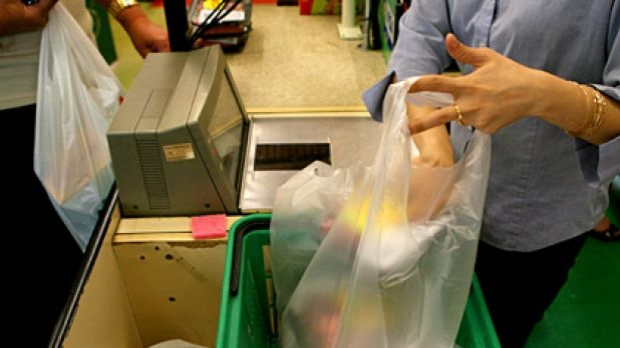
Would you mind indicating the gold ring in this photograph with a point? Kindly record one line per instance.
(459, 115)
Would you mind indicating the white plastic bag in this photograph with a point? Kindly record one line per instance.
(77, 97)
(376, 279)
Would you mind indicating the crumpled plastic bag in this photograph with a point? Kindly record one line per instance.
(351, 269)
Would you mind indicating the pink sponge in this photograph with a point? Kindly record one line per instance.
(209, 226)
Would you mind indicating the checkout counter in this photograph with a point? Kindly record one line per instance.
(146, 279)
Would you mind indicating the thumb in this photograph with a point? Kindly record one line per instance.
(464, 53)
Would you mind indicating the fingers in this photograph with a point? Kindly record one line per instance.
(433, 119)
(436, 83)
(462, 53)
(458, 87)
(19, 17)
(46, 5)
(465, 54)
(161, 45)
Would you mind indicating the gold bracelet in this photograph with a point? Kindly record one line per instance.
(116, 6)
(597, 116)
(599, 112)
(586, 121)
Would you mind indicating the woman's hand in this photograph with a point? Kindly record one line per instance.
(497, 93)
(15, 17)
(501, 91)
(145, 35)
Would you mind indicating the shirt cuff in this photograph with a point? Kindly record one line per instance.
(599, 164)
(373, 97)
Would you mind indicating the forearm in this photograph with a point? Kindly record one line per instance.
(434, 145)
(146, 36)
(124, 11)
(427, 183)
(577, 109)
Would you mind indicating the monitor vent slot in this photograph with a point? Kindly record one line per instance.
(153, 174)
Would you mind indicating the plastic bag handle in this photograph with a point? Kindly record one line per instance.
(242, 230)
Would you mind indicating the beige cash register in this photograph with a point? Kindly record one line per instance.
(183, 144)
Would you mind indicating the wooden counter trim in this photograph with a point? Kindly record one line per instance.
(163, 229)
(319, 111)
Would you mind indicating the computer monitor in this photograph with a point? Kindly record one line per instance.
(178, 141)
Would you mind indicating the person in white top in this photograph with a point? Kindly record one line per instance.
(20, 35)
(45, 248)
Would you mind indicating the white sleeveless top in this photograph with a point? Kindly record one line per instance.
(19, 60)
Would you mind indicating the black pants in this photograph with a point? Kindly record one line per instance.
(45, 258)
(519, 286)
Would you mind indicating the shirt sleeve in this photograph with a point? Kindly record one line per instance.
(419, 50)
(373, 97)
(600, 164)
(420, 47)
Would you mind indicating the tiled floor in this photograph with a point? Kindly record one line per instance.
(290, 61)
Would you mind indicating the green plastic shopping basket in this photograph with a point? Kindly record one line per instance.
(248, 313)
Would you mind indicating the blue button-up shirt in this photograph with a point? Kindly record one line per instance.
(545, 186)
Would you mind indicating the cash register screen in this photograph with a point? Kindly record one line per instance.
(226, 129)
